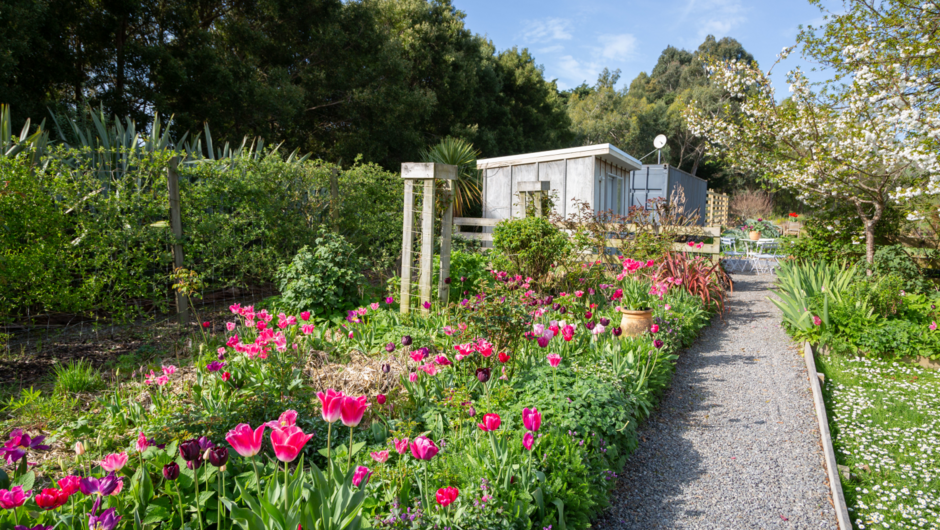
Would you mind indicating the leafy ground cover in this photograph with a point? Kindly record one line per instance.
(884, 416)
(507, 409)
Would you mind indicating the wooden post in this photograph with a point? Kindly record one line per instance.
(176, 225)
(406, 246)
(537, 197)
(427, 243)
(447, 225)
(334, 199)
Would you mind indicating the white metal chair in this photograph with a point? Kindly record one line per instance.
(730, 249)
(764, 256)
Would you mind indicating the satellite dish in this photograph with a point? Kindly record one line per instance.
(659, 141)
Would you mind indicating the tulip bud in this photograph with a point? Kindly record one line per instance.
(386, 368)
(588, 315)
(556, 306)
(590, 324)
(380, 399)
(217, 456)
(563, 310)
(79, 448)
(406, 340)
(171, 471)
(605, 321)
(483, 374)
(463, 279)
(205, 455)
(390, 347)
(222, 470)
(472, 411)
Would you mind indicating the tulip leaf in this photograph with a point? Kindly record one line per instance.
(561, 513)
(204, 496)
(26, 480)
(4, 480)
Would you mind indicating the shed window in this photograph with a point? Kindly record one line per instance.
(614, 194)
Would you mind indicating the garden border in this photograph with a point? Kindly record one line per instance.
(835, 481)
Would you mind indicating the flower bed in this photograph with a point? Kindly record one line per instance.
(884, 419)
(508, 409)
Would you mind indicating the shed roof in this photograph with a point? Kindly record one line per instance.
(606, 152)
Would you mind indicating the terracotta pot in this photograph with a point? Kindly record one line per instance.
(754, 235)
(634, 323)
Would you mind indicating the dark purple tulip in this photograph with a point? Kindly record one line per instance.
(214, 366)
(447, 281)
(222, 356)
(563, 310)
(218, 456)
(549, 299)
(556, 306)
(617, 331)
(605, 321)
(406, 340)
(543, 342)
(171, 471)
(483, 374)
(590, 324)
(390, 347)
(190, 450)
(386, 368)
(658, 343)
(195, 464)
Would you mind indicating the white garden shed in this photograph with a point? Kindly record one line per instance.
(599, 174)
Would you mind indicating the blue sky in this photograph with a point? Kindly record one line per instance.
(574, 41)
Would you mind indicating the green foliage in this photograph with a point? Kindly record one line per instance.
(836, 232)
(460, 153)
(468, 273)
(530, 245)
(894, 260)
(324, 279)
(766, 229)
(75, 377)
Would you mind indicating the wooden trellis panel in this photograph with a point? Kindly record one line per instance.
(716, 209)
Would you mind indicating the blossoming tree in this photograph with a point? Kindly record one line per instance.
(849, 141)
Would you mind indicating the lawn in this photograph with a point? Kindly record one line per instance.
(884, 417)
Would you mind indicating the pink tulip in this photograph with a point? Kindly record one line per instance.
(379, 456)
(528, 440)
(230, 326)
(401, 445)
(14, 497)
(933, 326)
(442, 360)
(446, 496)
(305, 315)
(484, 348)
(352, 409)
(288, 418)
(307, 329)
(427, 305)
(543, 342)
(423, 448)
(654, 328)
(169, 370)
(531, 419)
(567, 333)
(142, 443)
(114, 462)
(413, 377)
(362, 473)
(288, 442)
(491, 422)
(380, 399)
(70, 484)
(330, 403)
(245, 441)
(553, 359)
(817, 321)
(374, 306)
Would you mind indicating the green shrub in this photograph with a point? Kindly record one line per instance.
(529, 246)
(75, 377)
(467, 273)
(894, 260)
(324, 279)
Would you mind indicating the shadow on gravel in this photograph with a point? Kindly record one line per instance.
(651, 486)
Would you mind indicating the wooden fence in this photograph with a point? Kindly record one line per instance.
(716, 209)
(613, 243)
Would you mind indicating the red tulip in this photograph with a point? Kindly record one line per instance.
(503, 357)
(70, 484)
(531, 419)
(330, 403)
(423, 448)
(528, 440)
(288, 442)
(380, 399)
(51, 498)
(491, 422)
(244, 440)
(352, 409)
(446, 496)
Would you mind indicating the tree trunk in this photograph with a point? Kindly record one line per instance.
(870, 223)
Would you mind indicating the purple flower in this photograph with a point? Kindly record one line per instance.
(19, 443)
(101, 486)
(214, 366)
(543, 342)
(658, 343)
(390, 347)
(106, 521)
(37, 527)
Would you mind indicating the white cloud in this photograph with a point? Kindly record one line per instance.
(576, 71)
(617, 47)
(713, 17)
(546, 30)
(551, 49)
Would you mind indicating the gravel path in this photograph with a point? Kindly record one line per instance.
(735, 442)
